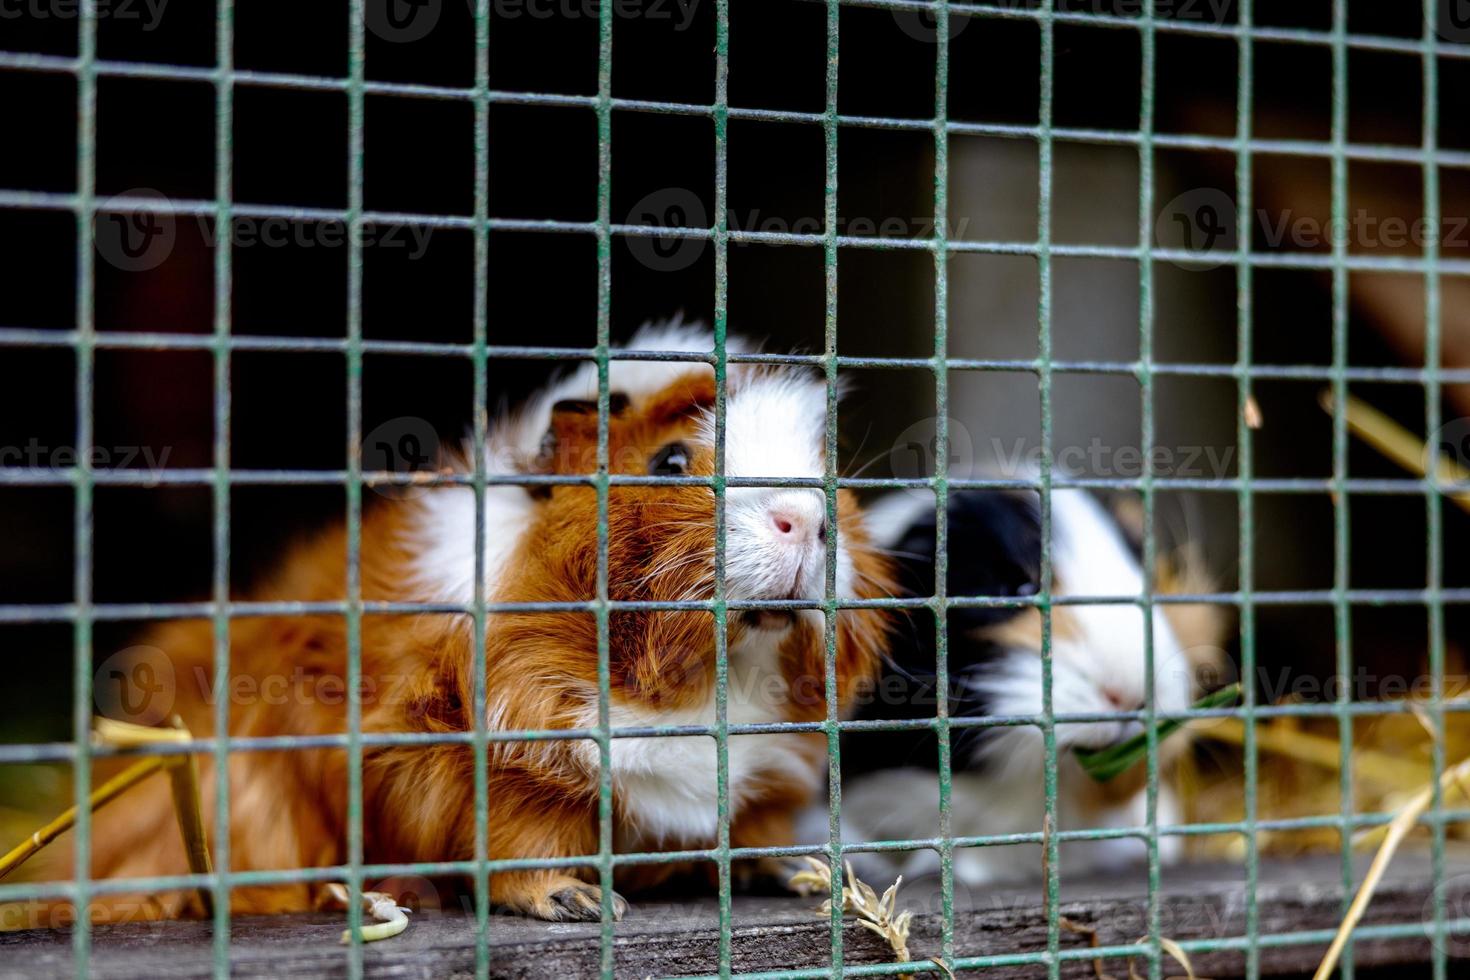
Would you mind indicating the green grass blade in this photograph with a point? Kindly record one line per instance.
(1105, 764)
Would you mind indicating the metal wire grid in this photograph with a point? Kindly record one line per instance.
(85, 340)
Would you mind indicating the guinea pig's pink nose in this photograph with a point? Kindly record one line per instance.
(1122, 700)
(798, 522)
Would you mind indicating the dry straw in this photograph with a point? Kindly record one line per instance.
(876, 913)
(183, 774)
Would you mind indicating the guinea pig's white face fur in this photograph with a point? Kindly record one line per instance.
(775, 428)
(776, 537)
(1098, 651)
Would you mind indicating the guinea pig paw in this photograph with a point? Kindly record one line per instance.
(579, 902)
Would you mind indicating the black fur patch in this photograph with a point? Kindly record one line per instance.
(994, 548)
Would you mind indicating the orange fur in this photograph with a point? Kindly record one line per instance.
(288, 809)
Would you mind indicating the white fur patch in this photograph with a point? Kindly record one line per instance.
(984, 805)
(1105, 653)
(667, 785)
(445, 536)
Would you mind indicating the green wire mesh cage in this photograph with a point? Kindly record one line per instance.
(221, 479)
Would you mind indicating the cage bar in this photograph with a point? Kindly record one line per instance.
(221, 478)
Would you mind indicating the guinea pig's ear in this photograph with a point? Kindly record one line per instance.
(689, 395)
(572, 434)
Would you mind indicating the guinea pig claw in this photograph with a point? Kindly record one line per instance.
(583, 903)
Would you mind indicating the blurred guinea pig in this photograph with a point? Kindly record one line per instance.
(289, 809)
(890, 788)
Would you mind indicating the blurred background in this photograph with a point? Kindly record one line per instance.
(289, 148)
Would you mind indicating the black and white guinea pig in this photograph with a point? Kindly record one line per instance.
(890, 785)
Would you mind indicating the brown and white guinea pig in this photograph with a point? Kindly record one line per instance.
(995, 669)
(288, 809)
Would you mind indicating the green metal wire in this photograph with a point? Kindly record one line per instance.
(356, 55)
(86, 356)
(941, 474)
(829, 350)
(82, 613)
(604, 342)
(480, 434)
(721, 615)
(1245, 498)
(1433, 503)
(1341, 523)
(1045, 163)
(223, 284)
(1149, 562)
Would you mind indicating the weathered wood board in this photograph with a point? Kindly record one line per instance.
(679, 937)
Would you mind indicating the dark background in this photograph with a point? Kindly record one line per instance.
(290, 147)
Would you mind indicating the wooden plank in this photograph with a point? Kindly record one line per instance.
(672, 936)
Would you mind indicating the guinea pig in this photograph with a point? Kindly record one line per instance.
(995, 670)
(288, 809)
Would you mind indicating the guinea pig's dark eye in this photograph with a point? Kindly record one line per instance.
(672, 460)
